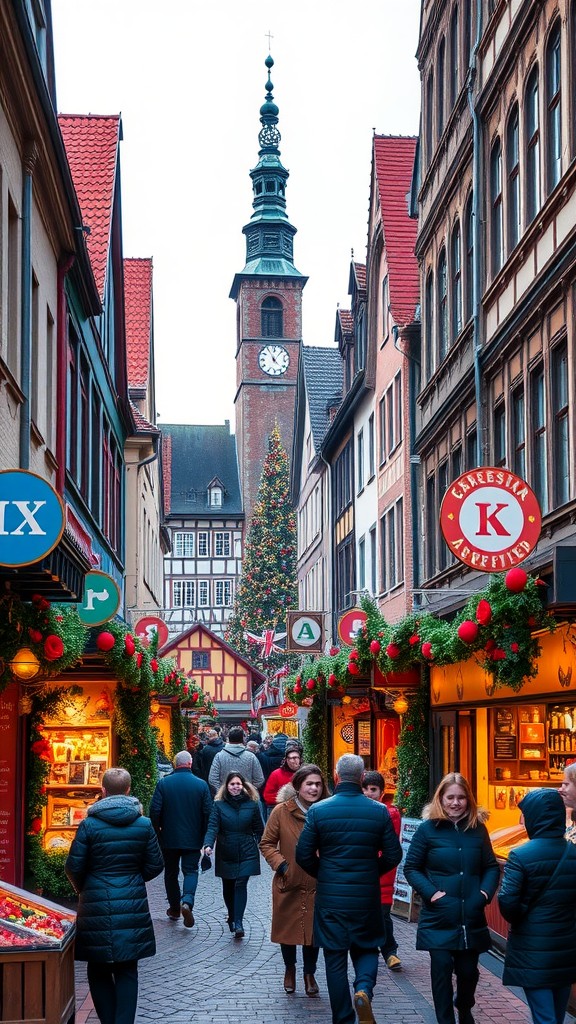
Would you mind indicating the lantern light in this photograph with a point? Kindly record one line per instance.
(154, 707)
(24, 664)
(400, 705)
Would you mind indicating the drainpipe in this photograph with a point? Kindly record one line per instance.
(64, 266)
(477, 163)
(30, 156)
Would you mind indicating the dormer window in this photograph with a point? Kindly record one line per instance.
(215, 497)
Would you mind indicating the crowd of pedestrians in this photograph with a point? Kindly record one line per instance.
(333, 861)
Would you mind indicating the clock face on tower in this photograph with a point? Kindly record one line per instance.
(274, 360)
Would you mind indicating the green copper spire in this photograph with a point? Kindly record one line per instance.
(269, 235)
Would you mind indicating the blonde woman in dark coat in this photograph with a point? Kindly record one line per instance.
(293, 890)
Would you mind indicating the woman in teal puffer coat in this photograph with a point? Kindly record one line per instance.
(236, 826)
(115, 852)
(452, 865)
(538, 898)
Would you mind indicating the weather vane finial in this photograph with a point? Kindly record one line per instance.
(269, 37)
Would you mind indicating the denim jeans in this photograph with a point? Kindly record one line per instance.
(548, 1005)
(188, 860)
(114, 991)
(365, 962)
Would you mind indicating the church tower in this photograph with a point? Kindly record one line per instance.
(268, 296)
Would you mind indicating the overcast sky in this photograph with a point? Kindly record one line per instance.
(188, 77)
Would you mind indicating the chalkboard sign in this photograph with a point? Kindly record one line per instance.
(505, 747)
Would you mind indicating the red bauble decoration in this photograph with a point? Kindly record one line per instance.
(414, 639)
(498, 654)
(514, 648)
(297, 687)
(353, 655)
(105, 641)
(129, 645)
(353, 668)
(489, 645)
(332, 680)
(153, 664)
(35, 636)
(484, 612)
(139, 659)
(427, 651)
(516, 580)
(311, 684)
(374, 647)
(36, 826)
(194, 697)
(393, 651)
(468, 631)
(531, 621)
(53, 647)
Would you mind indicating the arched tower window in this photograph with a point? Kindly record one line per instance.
(272, 318)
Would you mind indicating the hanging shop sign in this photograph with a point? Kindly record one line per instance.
(32, 518)
(100, 599)
(490, 519)
(147, 627)
(304, 632)
(350, 624)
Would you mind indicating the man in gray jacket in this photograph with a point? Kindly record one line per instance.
(235, 758)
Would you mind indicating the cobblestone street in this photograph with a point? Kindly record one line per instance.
(204, 975)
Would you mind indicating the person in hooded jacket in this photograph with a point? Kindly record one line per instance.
(281, 776)
(114, 853)
(451, 864)
(236, 827)
(235, 758)
(538, 898)
(214, 744)
(271, 757)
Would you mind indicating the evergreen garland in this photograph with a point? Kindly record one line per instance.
(268, 585)
(412, 752)
(54, 634)
(315, 736)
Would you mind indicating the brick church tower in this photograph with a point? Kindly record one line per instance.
(268, 296)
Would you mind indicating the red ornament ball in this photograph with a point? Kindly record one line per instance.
(427, 651)
(393, 651)
(414, 639)
(353, 668)
(153, 664)
(468, 631)
(129, 645)
(514, 648)
(311, 684)
(374, 647)
(490, 645)
(353, 655)
(516, 580)
(484, 612)
(105, 641)
(297, 687)
(498, 654)
(53, 647)
(332, 680)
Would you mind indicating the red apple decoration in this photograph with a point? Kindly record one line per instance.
(393, 651)
(297, 686)
(374, 647)
(105, 641)
(311, 684)
(353, 668)
(468, 631)
(332, 680)
(484, 612)
(414, 639)
(353, 655)
(427, 650)
(153, 664)
(129, 645)
(515, 580)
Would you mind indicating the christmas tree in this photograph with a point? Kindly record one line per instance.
(268, 585)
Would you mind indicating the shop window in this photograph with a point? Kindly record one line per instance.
(532, 147)
(554, 109)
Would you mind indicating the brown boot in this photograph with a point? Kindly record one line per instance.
(310, 985)
(290, 979)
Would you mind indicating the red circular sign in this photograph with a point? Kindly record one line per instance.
(288, 710)
(349, 625)
(490, 519)
(146, 627)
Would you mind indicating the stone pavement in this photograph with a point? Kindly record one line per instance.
(205, 976)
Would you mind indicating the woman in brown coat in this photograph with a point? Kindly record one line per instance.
(293, 890)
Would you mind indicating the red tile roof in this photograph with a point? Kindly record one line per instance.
(138, 318)
(346, 323)
(92, 147)
(360, 272)
(394, 162)
(142, 424)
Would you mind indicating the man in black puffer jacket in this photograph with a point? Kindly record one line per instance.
(347, 842)
(115, 852)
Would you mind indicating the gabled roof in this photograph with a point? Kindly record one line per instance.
(140, 421)
(394, 164)
(138, 317)
(91, 143)
(345, 321)
(201, 629)
(360, 275)
(198, 454)
(323, 375)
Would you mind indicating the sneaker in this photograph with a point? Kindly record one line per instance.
(363, 1008)
(174, 915)
(393, 963)
(187, 915)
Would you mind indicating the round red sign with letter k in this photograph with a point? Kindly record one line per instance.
(490, 519)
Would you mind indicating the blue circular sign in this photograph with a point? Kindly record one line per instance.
(32, 518)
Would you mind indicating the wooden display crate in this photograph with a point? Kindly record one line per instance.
(38, 987)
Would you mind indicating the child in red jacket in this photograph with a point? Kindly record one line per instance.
(373, 787)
